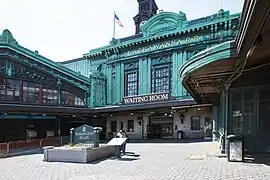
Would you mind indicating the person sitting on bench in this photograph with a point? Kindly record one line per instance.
(122, 134)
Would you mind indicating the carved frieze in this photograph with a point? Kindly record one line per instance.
(161, 60)
(131, 65)
(165, 21)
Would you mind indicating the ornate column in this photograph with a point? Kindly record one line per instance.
(225, 116)
(215, 122)
(59, 94)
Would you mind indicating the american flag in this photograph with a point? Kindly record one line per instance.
(118, 20)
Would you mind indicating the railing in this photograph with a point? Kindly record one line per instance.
(3, 149)
(22, 145)
(52, 141)
(7, 148)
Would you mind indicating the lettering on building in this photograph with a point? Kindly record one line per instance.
(162, 45)
(146, 98)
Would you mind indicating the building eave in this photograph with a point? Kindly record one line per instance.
(253, 17)
(186, 30)
(135, 107)
(57, 110)
(201, 60)
(54, 65)
(72, 60)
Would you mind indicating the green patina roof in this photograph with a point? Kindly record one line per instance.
(201, 59)
(8, 41)
(162, 25)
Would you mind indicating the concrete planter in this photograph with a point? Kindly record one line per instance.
(77, 155)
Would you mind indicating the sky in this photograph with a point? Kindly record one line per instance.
(66, 29)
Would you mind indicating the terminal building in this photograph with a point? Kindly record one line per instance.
(132, 84)
(233, 76)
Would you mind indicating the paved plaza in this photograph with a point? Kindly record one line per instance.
(153, 161)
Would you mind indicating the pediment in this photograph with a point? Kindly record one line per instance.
(163, 22)
(7, 37)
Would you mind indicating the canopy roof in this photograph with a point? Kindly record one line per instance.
(206, 74)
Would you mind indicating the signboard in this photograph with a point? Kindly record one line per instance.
(85, 134)
(162, 45)
(147, 98)
(116, 141)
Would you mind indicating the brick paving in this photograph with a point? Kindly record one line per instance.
(153, 161)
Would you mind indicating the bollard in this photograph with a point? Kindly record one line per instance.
(96, 142)
(71, 140)
(41, 143)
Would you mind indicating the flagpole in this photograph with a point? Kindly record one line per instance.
(221, 4)
(113, 24)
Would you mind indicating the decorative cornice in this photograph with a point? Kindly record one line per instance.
(218, 52)
(181, 27)
(8, 41)
(195, 63)
(163, 22)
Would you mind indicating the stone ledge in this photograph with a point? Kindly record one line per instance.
(83, 155)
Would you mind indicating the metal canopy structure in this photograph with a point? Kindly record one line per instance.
(207, 74)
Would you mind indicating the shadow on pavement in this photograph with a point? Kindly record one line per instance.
(258, 158)
(170, 141)
(132, 154)
(99, 160)
(129, 156)
(24, 152)
(164, 141)
(127, 159)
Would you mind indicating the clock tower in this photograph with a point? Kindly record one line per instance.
(147, 9)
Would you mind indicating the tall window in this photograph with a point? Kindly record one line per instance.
(31, 92)
(195, 123)
(121, 125)
(131, 84)
(130, 126)
(161, 79)
(71, 99)
(131, 79)
(9, 90)
(113, 126)
(243, 107)
(49, 95)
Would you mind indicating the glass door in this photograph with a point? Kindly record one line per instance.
(160, 126)
(264, 121)
(167, 130)
(243, 120)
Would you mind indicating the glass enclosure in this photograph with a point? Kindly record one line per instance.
(26, 92)
(249, 110)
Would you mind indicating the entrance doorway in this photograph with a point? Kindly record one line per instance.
(160, 126)
(264, 121)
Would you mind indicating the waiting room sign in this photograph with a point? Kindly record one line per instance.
(146, 98)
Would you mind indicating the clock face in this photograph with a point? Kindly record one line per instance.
(142, 23)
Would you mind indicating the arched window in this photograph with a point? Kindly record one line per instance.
(25, 92)
(49, 95)
(9, 90)
(31, 93)
(19, 91)
(71, 99)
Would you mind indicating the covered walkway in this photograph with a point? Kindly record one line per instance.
(233, 76)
